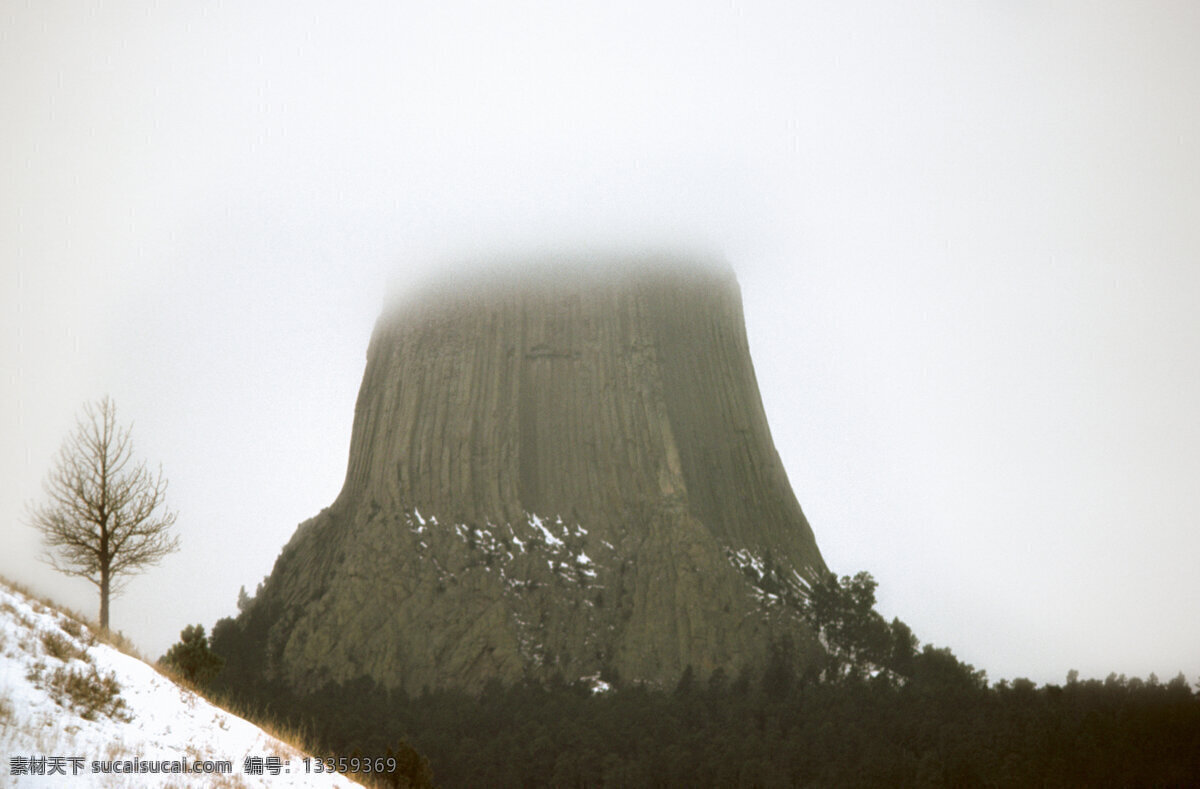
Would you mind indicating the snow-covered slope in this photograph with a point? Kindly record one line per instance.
(76, 712)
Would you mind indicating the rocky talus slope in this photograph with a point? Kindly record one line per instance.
(552, 471)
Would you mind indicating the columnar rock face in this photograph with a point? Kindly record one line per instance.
(557, 471)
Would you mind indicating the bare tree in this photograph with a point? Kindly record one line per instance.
(105, 518)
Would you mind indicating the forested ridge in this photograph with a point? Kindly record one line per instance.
(879, 712)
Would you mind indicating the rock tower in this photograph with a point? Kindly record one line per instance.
(560, 470)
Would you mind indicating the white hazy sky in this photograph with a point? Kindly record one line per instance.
(968, 238)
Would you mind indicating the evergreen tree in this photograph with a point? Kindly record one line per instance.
(192, 658)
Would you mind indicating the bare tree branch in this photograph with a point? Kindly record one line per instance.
(105, 517)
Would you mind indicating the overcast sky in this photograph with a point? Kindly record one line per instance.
(967, 234)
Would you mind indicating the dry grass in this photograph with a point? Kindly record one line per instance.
(15, 613)
(290, 735)
(6, 711)
(72, 627)
(61, 648)
(89, 693)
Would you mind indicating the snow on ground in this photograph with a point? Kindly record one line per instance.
(62, 725)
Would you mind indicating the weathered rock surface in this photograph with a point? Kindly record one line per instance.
(557, 471)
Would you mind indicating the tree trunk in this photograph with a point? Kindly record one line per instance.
(104, 583)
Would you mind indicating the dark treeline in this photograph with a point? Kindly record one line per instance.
(880, 713)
